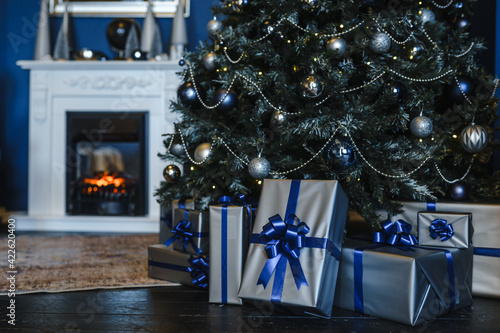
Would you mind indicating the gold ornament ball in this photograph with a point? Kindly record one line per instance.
(172, 173)
(202, 151)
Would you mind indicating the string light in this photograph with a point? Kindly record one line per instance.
(441, 6)
(464, 53)
(455, 180)
(420, 80)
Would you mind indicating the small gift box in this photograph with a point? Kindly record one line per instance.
(405, 284)
(294, 252)
(190, 231)
(167, 216)
(183, 268)
(229, 236)
(442, 229)
(486, 239)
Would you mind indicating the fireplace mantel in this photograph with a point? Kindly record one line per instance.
(57, 87)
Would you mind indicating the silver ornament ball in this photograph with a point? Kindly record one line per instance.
(474, 138)
(172, 173)
(380, 42)
(311, 86)
(202, 151)
(214, 26)
(177, 149)
(427, 15)
(421, 127)
(259, 168)
(279, 120)
(210, 61)
(336, 46)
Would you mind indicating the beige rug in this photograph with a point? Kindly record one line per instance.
(70, 263)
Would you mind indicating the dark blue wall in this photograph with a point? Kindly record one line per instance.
(18, 21)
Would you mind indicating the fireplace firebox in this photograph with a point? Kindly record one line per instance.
(106, 163)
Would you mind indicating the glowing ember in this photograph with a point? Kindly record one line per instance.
(105, 179)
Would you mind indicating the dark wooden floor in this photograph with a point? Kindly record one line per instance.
(181, 309)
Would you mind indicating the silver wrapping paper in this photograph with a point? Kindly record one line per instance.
(199, 224)
(486, 223)
(164, 218)
(161, 254)
(409, 287)
(322, 205)
(237, 245)
(462, 228)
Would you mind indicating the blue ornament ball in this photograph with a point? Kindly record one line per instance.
(340, 154)
(230, 102)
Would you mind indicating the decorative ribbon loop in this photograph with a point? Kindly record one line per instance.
(440, 228)
(199, 270)
(284, 241)
(396, 234)
(182, 233)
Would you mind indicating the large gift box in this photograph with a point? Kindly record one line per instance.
(229, 236)
(409, 286)
(486, 239)
(294, 254)
(190, 231)
(183, 268)
(167, 216)
(441, 229)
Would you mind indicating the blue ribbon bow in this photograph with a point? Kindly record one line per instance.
(396, 234)
(237, 200)
(440, 228)
(182, 233)
(284, 241)
(199, 270)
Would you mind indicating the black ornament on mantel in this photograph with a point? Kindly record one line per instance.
(340, 154)
(230, 101)
(139, 55)
(187, 94)
(455, 92)
(458, 191)
(117, 32)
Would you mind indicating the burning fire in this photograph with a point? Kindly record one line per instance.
(105, 179)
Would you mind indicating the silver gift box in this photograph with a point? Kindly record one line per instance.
(199, 226)
(409, 287)
(462, 229)
(486, 223)
(167, 216)
(322, 205)
(233, 236)
(166, 264)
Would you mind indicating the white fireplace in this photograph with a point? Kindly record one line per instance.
(111, 88)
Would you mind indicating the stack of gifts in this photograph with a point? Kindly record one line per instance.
(486, 238)
(393, 278)
(182, 257)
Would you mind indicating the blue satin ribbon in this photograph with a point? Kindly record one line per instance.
(199, 271)
(396, 234)
(488, 252)
(440, 228)
(431, 206)
(182, 233)
(237, 200)
(284, 239)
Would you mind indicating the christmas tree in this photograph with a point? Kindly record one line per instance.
(385, 96)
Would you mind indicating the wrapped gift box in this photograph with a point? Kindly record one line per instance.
(174, 266)
(294, 264)
(406, 286)
(229, 237)
(190, 231)
(440, 229)
(167, 216)
(486, 239)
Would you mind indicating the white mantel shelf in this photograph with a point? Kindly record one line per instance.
(57, 87)
(98, 65)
